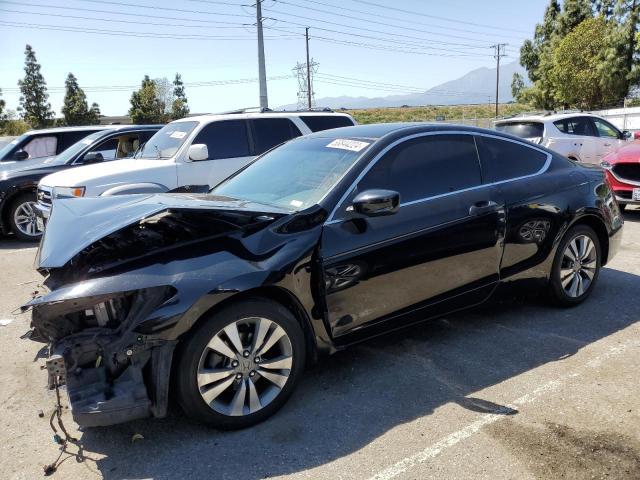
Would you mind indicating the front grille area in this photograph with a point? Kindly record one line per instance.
(44, 197)
(628, 171)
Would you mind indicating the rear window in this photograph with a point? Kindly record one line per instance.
(522, 129)
(506, 160)
(269, 132)
(317, 123)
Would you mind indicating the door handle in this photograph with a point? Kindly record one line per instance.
(607, 144)
(480, 208)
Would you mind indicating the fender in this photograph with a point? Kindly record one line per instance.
(135, 188)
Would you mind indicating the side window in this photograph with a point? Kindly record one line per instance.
(225, 139)
(426, 166)
(66, 139)
(605, 129)
(269, 132)
(43, 146)
(505, 160)
(127, 146)
(317, 123)
(106, 149)
(575, 126)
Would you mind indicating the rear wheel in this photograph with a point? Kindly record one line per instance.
(241, 365)
(576, 266)
(22, 217)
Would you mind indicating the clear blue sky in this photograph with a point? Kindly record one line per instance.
(205, 41)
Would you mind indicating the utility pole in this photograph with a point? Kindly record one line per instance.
(306, 34)
(497, 55)
(262, 73)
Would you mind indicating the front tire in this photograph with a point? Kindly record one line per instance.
(576, 266)
(22, 217)
(241, 364)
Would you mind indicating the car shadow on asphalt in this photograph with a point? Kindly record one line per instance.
(11, 242)
(355, 396)
(632, 215)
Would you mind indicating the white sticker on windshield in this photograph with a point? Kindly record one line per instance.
(178, 134)
(344, 144)
(296, 203)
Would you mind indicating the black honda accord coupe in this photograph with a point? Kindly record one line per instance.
(222, 298)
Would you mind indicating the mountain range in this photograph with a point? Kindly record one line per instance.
(476, 86)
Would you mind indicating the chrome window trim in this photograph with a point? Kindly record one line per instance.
(544, 168)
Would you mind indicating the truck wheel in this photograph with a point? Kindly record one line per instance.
(241, 364)
(22, 217)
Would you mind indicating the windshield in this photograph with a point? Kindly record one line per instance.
(297, 174)
(522, 129)
(4, 151)
(166, 142)
(70, 153)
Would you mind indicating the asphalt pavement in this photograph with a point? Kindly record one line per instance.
(516, 389)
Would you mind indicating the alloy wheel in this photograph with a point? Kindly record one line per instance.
(245, 366)
(24, 218)
(579, 264)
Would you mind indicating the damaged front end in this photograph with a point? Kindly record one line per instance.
(113, 373)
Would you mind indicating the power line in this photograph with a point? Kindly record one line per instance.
(444, 19)
(377, 31)
(118, 33)
(167, 9)
(39, 5)
(119, 20)
(118, 88)
(386, 22)
(411, 49)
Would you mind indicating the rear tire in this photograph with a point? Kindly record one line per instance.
(22, 217)
(241, 364)
(576, 266)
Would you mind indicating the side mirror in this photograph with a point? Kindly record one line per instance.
(375, 203)
(21, 155)
(626, 135)
(92, 157)
(198, 152)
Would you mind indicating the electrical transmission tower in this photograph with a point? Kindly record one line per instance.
(306, 94)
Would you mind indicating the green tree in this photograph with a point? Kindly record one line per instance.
(34, 107)
(576, 76)
(574, 12)
(620, 67)
(3, 104)
(145, 106)
(75, 109)
(94, 114)
(517, 86)
(180, 107)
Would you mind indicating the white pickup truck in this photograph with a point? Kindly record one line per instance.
(194, 152)
(579, 136)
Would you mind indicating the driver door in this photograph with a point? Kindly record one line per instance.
(437, 247)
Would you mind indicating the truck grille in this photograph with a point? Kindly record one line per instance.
(44, 197)
(627, 171)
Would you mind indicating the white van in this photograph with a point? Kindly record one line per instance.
(192, 152)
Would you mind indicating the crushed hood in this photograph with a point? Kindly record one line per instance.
(123, 225)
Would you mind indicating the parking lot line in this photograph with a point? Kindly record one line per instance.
(487, 419)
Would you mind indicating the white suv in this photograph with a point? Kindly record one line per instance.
(579, 136)
(192, 153)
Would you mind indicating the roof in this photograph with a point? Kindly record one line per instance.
(68, 129)
(552, 117)
(225, 116)
(379, 130)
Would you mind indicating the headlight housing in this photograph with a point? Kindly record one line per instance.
(606, 165)
(68, 192)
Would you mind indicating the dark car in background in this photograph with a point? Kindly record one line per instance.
(37, 145)
(18, 187)
(329, 239)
